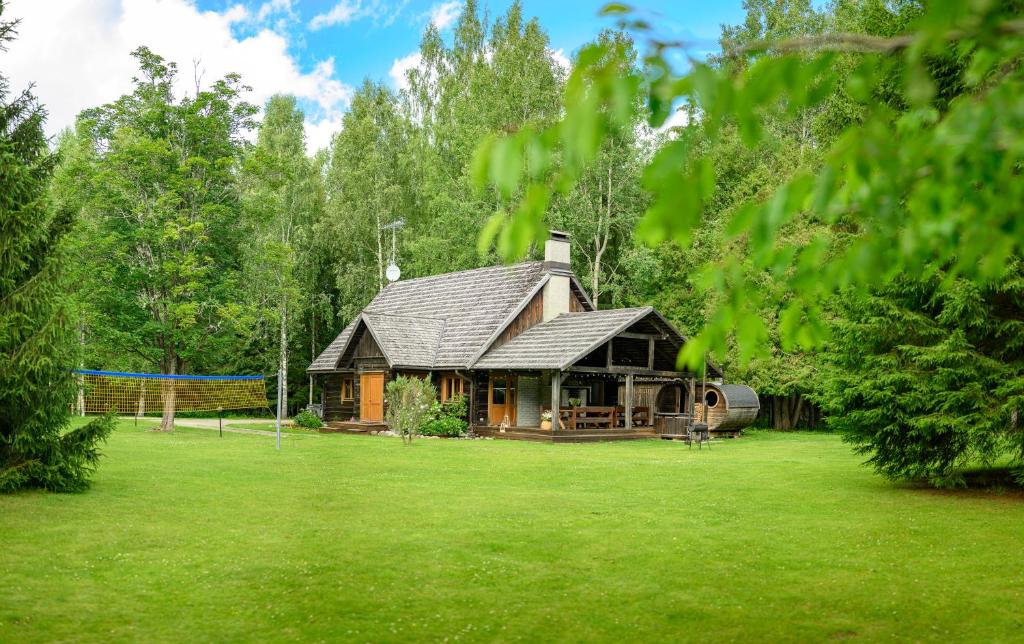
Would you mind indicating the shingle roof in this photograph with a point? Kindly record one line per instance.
(559, 342)
(328, 359)
(740, 396)
(470, 305)
(406, 341)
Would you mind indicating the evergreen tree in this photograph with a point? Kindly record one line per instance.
(37, 336)
(928, 379)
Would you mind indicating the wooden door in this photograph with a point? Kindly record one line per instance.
(371, 397)
(501, 400)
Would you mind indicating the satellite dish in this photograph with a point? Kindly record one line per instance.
(393, 272)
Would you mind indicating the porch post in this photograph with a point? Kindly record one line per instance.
(471, 407)
(629, 401)
(556, 393)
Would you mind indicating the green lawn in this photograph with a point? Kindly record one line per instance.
(189, 537)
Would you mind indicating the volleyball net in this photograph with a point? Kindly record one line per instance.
(137, 394)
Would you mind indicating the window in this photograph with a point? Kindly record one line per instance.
(452, 386)
(711, 398)
(347, 388)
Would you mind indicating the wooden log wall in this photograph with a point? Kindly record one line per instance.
(334, 407)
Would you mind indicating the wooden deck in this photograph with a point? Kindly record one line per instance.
(565, 435)
(351, 427)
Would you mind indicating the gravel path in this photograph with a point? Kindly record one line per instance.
(229, 425)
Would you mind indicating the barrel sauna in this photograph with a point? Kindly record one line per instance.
(730, 408)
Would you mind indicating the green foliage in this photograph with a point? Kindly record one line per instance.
(892, 135)
(895, 177)
(447, 418)
(408, 400)
(160, 244)
(282, 199)
(927, 378)
(37, 339)
(308, 420)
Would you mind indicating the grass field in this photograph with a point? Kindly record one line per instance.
(188, 536)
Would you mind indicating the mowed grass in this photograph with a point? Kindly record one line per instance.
(188, 537)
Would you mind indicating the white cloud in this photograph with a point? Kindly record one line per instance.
(401, 66)
(272, 8)
(348, 11)
(679, 118)
(341, 14)
(445, 14)
(561, 59)
(79, 56)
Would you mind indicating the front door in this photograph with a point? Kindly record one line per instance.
(502, 399)
(371, 397)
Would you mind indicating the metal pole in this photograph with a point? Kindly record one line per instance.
(279, 402)
(220, 421)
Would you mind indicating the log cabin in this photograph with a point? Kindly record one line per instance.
(517, 341)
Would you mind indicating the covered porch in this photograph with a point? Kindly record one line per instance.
(608, 374)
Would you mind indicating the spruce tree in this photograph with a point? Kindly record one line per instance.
(37, 348)
(927, 379)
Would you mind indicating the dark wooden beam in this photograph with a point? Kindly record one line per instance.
(609, 362)
(650, 354)
(623, 371)
(641, 336)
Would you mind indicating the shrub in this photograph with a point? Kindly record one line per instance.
(308, 420)
(446, 419)
(410, 401)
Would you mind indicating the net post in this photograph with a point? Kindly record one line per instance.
(220, 421)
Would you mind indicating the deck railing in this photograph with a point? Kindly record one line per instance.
(597, 417)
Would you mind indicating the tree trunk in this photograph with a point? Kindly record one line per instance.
(284, 356)
(312, 352)
(81, 365)
(168, 393)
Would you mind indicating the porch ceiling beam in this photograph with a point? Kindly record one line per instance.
(642, 336)
(636, 371)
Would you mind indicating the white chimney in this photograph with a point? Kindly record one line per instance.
(556, 263)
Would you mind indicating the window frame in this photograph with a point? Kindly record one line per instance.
(348, 383)
(452, 385)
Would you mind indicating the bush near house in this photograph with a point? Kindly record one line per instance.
(447, 419)
(307, 420)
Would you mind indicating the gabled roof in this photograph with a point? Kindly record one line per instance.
(328, 359)
(406, 341)
(457, 315)
(560, 342)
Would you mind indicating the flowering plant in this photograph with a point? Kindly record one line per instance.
(546, 415)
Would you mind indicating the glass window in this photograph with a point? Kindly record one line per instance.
(451, 386)
(711, 398)
(498, 391)
(347, 392)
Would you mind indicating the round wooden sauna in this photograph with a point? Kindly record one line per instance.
(730, 408)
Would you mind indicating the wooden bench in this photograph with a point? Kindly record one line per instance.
(587, 417)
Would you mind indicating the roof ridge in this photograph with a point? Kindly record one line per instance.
(411, 317)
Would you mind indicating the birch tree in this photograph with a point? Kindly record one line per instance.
(281, 198)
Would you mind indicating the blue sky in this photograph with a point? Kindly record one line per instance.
(377, 34)
(77, 52)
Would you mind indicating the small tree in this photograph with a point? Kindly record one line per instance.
(409, 402)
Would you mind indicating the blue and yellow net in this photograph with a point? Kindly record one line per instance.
(141, 393)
